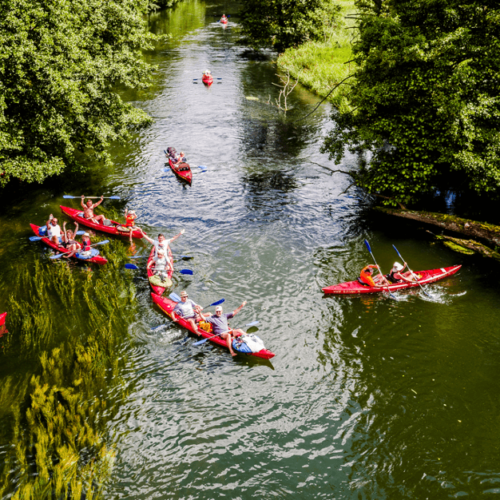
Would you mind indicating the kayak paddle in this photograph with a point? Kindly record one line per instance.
(182, 271)
(94, 245)
(131, 266)
(373, 257)
(412, 273)
(69, 197)
(253, 323)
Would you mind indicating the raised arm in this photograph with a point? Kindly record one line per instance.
(146, 236)
(50, 218)
(76, 228)
(236, 311)
(64, 231)
(177, 235)
(82, 200)
(99, 202)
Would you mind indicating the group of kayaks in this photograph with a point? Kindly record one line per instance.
(166, 304)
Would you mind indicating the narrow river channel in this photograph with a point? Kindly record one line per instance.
(367, 397)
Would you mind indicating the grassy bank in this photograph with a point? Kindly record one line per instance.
(320, 65)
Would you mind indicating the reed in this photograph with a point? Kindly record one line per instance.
(74, 321)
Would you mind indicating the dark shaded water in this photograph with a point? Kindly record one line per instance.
(366, 397)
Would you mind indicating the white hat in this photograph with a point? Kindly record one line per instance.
(218, 308)
(397, 266)
(86, 234)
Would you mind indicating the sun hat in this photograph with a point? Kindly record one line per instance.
(86, 234)
(184, 293)
(397, 266)
(218, 308)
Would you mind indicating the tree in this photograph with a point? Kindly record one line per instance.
(60, 64)
(285, 23)
(425, 100)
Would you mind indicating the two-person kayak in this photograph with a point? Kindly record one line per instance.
(168, 305)
(112, 228)
(155, 281)
(42, 232)
(425, 277)
(183, 171)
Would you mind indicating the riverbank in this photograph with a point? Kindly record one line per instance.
(319, 66)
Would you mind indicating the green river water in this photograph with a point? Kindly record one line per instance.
(366, 398)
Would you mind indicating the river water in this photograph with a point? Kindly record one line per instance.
(367, 397)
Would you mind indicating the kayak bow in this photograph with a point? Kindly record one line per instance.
(77, 215)
(167, 306)
(2, 318)
(354, 287)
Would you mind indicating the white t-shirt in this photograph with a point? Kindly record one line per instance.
(163, 246)
(54, 230)
(185, 309)
(160, 264)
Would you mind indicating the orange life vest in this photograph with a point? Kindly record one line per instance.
(365, 276)
(130, 220)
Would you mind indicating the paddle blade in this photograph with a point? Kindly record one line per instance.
(253, 323)
(217, 303)
(175, 297)
(69, 197)
(100, 243)
(253, 329)
(113, 197)
(186, 271)
(131, 266)
(35, 238)
(58, 256)
(166, 169)
(394, 246)
(202, 167)
(218, 78)
(80, 233)
(201, 341)
(368, 246)
(186, 257)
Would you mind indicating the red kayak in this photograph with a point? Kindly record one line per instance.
(353, 287)
(77, 215)
(159, 289)
(2, 318)
(185, 175)
(223, 20)
(207, 80)
(167, 306)
(96, 258)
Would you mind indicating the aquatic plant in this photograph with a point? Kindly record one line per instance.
(73, 320)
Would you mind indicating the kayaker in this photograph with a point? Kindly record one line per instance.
(69, 241)
(129, 223)
(221, 327)
(161, 264)
(365, 277)
(53, 230)
(161, 243)
(223, 18)
(88, 210)
(86, 250)
(396, 275)
(188, 310)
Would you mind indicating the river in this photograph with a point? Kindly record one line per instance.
(367, 397)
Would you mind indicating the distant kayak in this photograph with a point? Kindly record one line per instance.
(354, 287)
(207, 79)
(95, 257)
(77, 215)
(151, 275)
(223, 20)
(185, 175)
(2, 318)
(167, 306)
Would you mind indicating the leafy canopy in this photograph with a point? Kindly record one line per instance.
(286, 23)
(426, 97)
(60, 61)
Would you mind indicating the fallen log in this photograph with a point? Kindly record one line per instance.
(467, 247)
(471, 228)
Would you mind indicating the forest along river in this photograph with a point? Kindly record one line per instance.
(367, 397)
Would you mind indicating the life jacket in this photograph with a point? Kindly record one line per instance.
(390, 277)
(130, 220)
(365, 277)
(86, 245)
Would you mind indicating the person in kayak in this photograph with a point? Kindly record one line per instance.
(69, 241)
(53, 230)
(88, 211)
(129, 223)
(223, 18)
(161, 264)
(221, 327)
(396, 275)
(188, 310)
(86, 250)
(366, 277)
(161, 243)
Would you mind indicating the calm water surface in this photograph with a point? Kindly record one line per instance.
(367, 397)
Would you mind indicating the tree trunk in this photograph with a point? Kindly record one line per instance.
(467, 246)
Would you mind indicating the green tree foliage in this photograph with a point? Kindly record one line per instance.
(60, 61)
(286, 23)
(426, 97)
